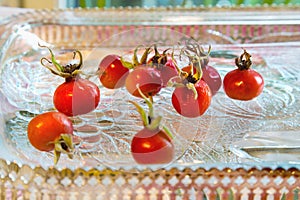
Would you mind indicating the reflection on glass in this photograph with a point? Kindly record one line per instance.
(186, 3)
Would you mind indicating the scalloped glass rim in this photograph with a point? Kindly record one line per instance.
(211, 182)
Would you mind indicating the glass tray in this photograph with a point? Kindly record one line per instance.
(225, 154)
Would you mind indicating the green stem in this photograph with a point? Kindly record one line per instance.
(142, 113)
(149, 102)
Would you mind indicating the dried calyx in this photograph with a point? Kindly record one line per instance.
(68, 71)
(189, 79)
(192, 47)
(198, 58)
(244, 61)
(135, 60)
(63, 144)
(159, 59)
(194, 75)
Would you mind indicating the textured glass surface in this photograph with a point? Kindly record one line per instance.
(207, 148)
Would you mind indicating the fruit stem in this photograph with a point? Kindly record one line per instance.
(149, 121)
(142, 113)
(149, 102)
(244, 61)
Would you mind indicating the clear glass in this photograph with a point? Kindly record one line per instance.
(209, 158)
(168, 3)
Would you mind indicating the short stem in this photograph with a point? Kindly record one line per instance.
(149, 101)
(142, 113)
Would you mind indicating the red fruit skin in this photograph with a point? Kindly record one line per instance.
(152, 147)
(147, 78)
(184, 102)
(112, 73)
(212, 77)
(243, 84)
(76, 97)
(168, 71)
(45, 128)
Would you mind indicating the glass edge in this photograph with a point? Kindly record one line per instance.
(240, 14)
(18, 19)
(15, 18)
(214, 169)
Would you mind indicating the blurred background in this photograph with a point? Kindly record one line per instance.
(141, 3)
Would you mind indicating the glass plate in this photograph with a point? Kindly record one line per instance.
(208, 160)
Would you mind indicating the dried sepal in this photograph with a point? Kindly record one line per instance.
(127, 64)
(64, 144)
(194, 48)
(155, 123)
(135, 60)
(244, 61)
(150, 121)
(192, 87)
(66, 71)
(144, 57)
